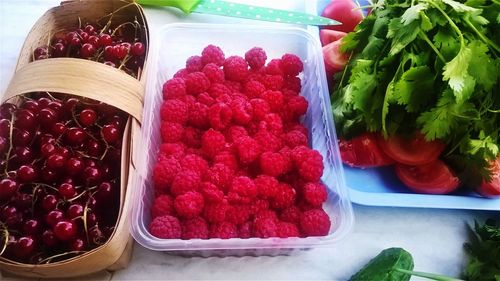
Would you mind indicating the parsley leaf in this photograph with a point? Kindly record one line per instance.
(455, 71)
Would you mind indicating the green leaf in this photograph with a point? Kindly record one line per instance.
(446, 42)
(455, 72)
(359, 37)
(373, 48)
(415, 88)
(413, 13)
(360, 89)
(484, 70)
(426, 23)
(475, 3)
(401, 35)
(381, 267)
(459, 7)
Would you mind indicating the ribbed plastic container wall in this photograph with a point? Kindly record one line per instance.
(177, 42)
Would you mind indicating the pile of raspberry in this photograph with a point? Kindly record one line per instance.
(235, 161)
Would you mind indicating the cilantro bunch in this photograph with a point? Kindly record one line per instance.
(426, 65)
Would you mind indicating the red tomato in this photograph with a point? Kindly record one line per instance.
(334, 59)
(433, 178)
(491, 189)
(344, 11)
(413, 151)
(363, 151)
(327, 36)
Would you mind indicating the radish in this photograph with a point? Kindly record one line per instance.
(335, 60)
(344, 11)
(328, 36)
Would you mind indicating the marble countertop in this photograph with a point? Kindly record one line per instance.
(434, 236)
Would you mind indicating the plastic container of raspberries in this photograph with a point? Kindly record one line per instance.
(175, 44)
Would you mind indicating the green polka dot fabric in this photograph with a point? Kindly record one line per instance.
(223, 8)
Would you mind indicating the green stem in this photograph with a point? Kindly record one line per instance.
(433, 47)
(428, 275)
(452, 23)
(481, 35)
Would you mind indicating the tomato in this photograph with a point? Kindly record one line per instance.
(363, 151)
(432, 178)
(334, 59)
(344, 11)
(491, 189)
(412, 151)
(327, 36)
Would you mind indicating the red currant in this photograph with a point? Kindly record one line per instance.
(74, 166)
(88, 117)
(110, 133)
(74, 211)
(88, 50)
(26, 173)
(65, 230)
(49, 202)
(53, 217)
(49, 239)
(67, 191)
(138, 49)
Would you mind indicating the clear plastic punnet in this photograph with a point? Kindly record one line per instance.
(177, 42)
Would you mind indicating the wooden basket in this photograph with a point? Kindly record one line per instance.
(93, 80)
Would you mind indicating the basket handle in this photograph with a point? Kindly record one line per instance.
(82, 78)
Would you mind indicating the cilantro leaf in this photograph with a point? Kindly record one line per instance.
(459, 7)
(360, 35)
(455, 72)
(415, 88)
(446, 42)
(484, 70)
(401, 34)
(413, 13)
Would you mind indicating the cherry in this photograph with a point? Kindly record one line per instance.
(138, 49)
(65, 230)
(74, 166)
(67, 190)
(59, 50)
(92, 175)
(47, 116)
(25, 119)
(31, 105)
(88, 50)
(55, 161)
(8, 188)
(31, 227)
(90, 163)
(21, 137)
(26, 173)
(53, 217)
(75, 136)
(77, 245)
(49, 239)
(24, 247)
(88, 117)
(110, 133)
(4, 128)
(7, 109)
(49, 202)
(70, 35)
(74, 211)
(47, 149)
(47, 138)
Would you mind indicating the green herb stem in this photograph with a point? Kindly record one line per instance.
(431, 276)
(481, 36)
(452, 23)
(433, 47)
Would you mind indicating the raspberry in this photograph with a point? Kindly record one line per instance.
(248, 150)
(273, 123)
(305, 206)
(213, 73)
(272, 82)
(300, 128)
(268, 141)
(264, 227)
(297, 105)
(286, 152)
(244, 186)
(198, 115)
(291, 214)
(233, 86)
(181, 73)
(192, 137)
(256, 57)
(314, 193)
(266, 214)
(245, 230)
(288, 94)
(174, 88)
(215, 212)
(211, 193)
(216, 90)
(272, 164)
(206, 99)
(291, 65)
(275, 100)
(174, 111)
(255, 75)
(274, 67)
(260, 108)
(299, 154)
(311, 169)
(220, 175)
(242, 111)
(223, 230)
(292, 83)
(286, 229)
(212, 54)
(189, 204)
(284, 198)
(226, 158)
(253, 89)
(196, 83)
(239, 97)
(194, 163)
(235, 68)
(184, 182)
(212, 142)
(193, 64)
(196, 228)
(162, 206)
(295, 138)
(315, 222)
(226, 99)
(175, 150)
(171, 132)
(238, 214)
(267, 186)
(220, 116)
(234, 133)
(166, 227)
(164, 173)
(259, 206)
(188, 100)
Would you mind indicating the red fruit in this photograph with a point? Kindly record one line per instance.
(291, 64)
(212, 142)
(328, 36)
(176, 150)
(75, 136)
(315, 222)
(242, 111)
(55, 161)
(235, 68)
(74, 211)
(248, 150)
(211, 193)
(189, 204)
(194, 163)
(335, 60)
(244, 187)
(214, 73)
(110, 133)
(162, 206)
(286, 229)
(24, 247)
(53, 217)
(196, 228)
(184, 182)
(212, 54)
(264, 227)
(49, 239)
(74, 166)
(220, 116)
(67, 191)
(49, 202)
(291, 214)
(8, 188)
(223, 230)
(174, 88)
(433, 178)
(311, 168)
(164, 173)
(253, 89)
(346, 12)
(31, 227)
(174, 111)
(166, 227)
(415, 150)
(138, 49)
(284, 197)
(363, 151)
(272, 164)
(256, 58)
(315, 194)
(171, 132)
(87, 51)
(275, 100)
(194, 64)
(196, 83)
(87, 117)
(220, 175)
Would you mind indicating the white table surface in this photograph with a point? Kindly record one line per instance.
(434, 237)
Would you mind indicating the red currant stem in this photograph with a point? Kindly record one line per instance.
(85, 227)
(110, 15)
(45, 185)
(50, 96)
(76, 197)
(47, 260)
(120, 26)
(79, 22)
(5, 237)
(48, 39)
(74, 118)
(99, 54)
(86, 156)
(105, 152)
(124, 61)
(11, 129)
